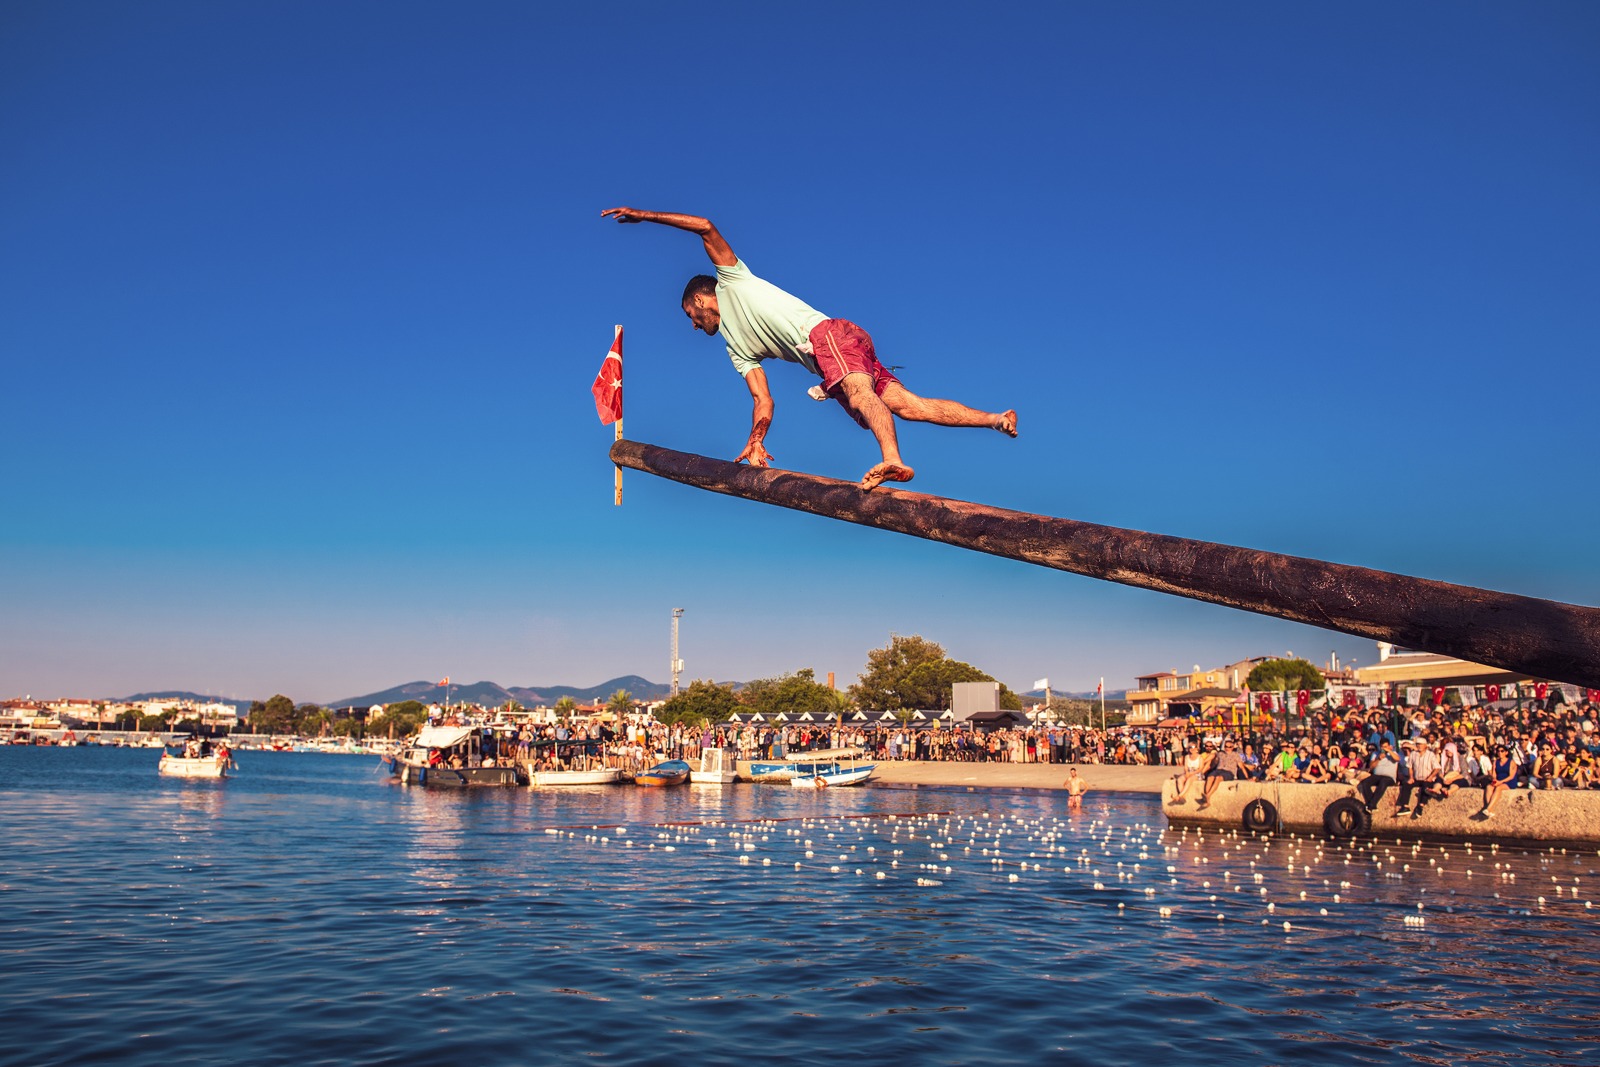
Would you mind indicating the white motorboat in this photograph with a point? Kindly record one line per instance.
(595, 776)
(214, 765)
(837, 776)
(574, 761)
(710, 769)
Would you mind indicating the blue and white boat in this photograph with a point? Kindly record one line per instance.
(838, 775)
(801, 763)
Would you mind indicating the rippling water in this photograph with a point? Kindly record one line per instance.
(308, 911)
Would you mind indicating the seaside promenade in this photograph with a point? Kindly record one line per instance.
(1099, 777)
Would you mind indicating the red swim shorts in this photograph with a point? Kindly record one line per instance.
(841, 347)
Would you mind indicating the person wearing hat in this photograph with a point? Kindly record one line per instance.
(1422, 776)
(1227, 767)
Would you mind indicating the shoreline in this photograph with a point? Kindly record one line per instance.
(1099, 777)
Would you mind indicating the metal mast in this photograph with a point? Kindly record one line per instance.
(677, 664)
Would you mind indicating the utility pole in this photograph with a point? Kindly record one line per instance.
(677, 664)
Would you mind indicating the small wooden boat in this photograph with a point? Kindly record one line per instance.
(672, 772)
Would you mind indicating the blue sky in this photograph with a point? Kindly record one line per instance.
(300, 303)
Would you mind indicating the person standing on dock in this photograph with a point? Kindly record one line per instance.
(759, 321)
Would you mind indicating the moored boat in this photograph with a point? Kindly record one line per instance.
(455, 757)
(569, 762)
(197, 760)
(804, 763)
(837, 775)
(672, 772)
(712, 770)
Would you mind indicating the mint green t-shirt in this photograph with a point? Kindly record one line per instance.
(761, 321)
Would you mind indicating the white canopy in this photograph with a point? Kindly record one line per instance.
(442, 736)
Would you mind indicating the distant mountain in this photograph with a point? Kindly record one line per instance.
(185, 695)
(1056, 694)
(491, 694)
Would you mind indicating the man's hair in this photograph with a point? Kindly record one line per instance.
(700, 283)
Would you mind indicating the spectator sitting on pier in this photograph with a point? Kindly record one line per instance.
(1505, 776)
(1548, 767)
(1227, 766)
(1385, 768)
(1195, 765)
(1424, 777)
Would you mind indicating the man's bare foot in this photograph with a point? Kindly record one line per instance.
(885, 472)
(1006, 423)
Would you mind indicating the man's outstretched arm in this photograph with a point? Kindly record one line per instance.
(760, 419)
(716, 247)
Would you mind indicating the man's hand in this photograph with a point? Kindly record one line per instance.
(756, 453)
(716, 247)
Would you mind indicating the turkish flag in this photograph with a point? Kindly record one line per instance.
(1492, 691)
(1541, 690)
(1438, 694)
(607, 388)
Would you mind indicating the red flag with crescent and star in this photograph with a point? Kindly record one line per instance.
(607, 387)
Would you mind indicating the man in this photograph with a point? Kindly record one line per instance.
(759, 321)
(1385, 770)
(1227, 767)
(1423, 777)
(1075, 788)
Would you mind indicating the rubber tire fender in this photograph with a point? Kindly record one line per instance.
(1346, 818)
(1260, 817)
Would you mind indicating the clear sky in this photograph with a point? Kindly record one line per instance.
(300, 304)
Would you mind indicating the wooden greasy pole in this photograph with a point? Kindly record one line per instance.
(1543, 639)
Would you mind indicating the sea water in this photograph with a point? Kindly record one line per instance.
(310, 911)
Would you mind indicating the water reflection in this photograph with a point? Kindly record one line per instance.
(308, 900)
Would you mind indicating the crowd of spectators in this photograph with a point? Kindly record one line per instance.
(1423, 753)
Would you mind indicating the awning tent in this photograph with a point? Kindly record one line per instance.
(443, 736)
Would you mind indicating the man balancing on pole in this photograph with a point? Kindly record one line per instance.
(759, 321)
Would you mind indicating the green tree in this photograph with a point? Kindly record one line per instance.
(349, 726)
(1075, 712)
(311, 720)
(1277, 675)
(881, 685)
(152, 723)
(276, 716)
(566, 707)
(404, 718)
(793, 693)
(913, 672)
(621, 703)
(703, 702)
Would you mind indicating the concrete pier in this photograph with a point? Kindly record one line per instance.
(1521, 816)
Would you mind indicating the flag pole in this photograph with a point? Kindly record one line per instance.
(617, 501)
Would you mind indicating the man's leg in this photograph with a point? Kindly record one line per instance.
(909, 405)
(872, 413)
